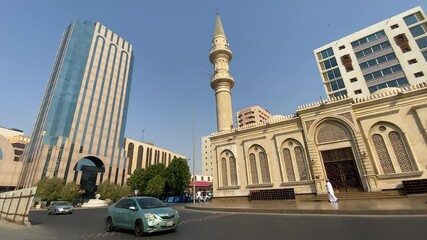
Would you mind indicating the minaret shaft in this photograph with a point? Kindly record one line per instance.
(222, 81)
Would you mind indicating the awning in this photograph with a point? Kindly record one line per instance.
(201, 184)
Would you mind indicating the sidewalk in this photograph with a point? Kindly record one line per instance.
(413, 205)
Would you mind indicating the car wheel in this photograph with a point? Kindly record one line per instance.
(48, 212)
(109, 224)
(139, 228)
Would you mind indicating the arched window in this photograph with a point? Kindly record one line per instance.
(294, 161)
(258, 163)
(139, 157)
(130, 156)
(391, 149)
(228, 169)
(224, 172)
(254, 170)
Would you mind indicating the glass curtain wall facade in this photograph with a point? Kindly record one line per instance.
(83, 112)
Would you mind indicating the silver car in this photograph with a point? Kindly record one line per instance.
(60, 207)
(143, 215)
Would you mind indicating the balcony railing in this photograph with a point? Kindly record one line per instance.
(222, 75)
(213, 48)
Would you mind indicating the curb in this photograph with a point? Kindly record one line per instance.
(316, 211)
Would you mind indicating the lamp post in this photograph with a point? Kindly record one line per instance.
(194, 161)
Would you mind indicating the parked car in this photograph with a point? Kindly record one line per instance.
(59, 207)
(141, 214)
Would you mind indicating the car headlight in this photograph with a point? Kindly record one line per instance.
(149, 216)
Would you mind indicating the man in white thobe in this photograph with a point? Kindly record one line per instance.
(331, 194)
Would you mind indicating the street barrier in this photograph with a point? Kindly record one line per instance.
(15, 205)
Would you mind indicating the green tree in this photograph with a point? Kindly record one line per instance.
(178, 176)
(49, 189)
(155, 186)
(135, 180)
(141, 177)
(112, 191)
(70, 192)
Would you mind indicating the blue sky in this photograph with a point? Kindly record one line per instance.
(272, 43)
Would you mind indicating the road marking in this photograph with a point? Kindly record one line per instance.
(201, 219)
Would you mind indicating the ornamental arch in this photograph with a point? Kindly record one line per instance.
(392, 152)
(335, 142)
(293, 161)
(228, 168)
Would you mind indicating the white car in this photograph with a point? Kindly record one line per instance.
(59, 207)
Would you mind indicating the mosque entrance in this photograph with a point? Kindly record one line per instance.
(341, 169)
(89, 168)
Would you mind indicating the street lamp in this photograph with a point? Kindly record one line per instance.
(194, 161)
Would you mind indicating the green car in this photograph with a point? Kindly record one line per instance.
(142, 214)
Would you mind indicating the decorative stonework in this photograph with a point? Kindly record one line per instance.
(265, 171)
(308, 124)
(331, 131)
(224, 172)
(348, 116)
(400, 152)
(382, 153)
(288, 165)
(254, 171)
(302, 169)
(233, 171)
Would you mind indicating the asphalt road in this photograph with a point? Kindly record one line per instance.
(88, 224)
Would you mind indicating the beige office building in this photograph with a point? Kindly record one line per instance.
(362, 144)
(391, 53)
(141, 155)
(207, 159)
(251, 115)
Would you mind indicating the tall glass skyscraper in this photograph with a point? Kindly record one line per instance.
(79, 132)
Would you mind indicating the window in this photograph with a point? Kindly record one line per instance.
(418, 74)
(338, 84)
(382, 72)
(341, 47)
(394, 26)
(353, 80)
(393, 83)
(391, 149)
(332, 74)
(369, 38)
(358, 91)
(413, 18)
(228, 169)
(258, 164)
(417, 30)
(1, 154)
(294, 161)
(422, 42)
(373, 49)
(327, 53)
(412, 61)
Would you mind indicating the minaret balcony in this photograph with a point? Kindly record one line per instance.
(214, 48)
(217, 51)
(222, 77)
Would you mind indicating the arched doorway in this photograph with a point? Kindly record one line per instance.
(341, 169)
(335, 142)
(89, 168)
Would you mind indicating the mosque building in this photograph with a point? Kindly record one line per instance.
(373, 143)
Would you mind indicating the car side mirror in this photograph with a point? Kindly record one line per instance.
(132, 208)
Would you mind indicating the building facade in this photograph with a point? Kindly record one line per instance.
(79, 131)
(207, 160)
(391, 53)
(251, 115)
(141, 155)
(10, 166)
(366, 144)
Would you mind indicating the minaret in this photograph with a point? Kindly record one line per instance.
(221, 81)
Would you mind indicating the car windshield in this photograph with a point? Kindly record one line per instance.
(146, 203)
(62, 203)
